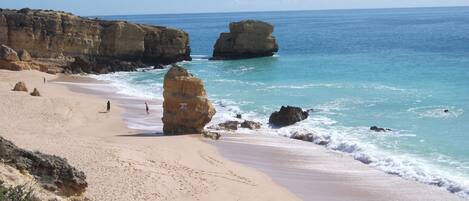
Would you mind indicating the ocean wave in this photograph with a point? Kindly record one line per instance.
(326, 132)
(239, 82)
(341, 86)
(122, 81)
(345, 140)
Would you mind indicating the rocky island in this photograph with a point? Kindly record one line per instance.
(246, 39)
(106, 45)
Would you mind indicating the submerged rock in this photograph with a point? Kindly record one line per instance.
(251, 125)
(247, 39)
(379, 129)
(52, 172)
(287, 116)
(310, 137)
(35, 92)
(186, 108)
(20, 86)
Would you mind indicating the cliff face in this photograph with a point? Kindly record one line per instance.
(51, 34)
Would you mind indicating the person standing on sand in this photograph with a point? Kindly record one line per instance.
(146, 108)
(108, 106)
(44, 80)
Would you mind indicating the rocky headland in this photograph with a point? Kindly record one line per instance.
(55, 37)
(246, 39)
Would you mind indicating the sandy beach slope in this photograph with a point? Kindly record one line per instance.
(120, 163)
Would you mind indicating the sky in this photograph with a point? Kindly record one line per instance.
(123, 7)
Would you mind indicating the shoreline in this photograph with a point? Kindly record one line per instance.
(122, 163)
(359, 183)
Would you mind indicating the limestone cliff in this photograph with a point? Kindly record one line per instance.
(53, 34)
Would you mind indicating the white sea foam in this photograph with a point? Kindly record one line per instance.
(329, 133)
(122, 82)
(326, 131)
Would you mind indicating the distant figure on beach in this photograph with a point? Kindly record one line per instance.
(446, 111)
(108, 106)
(44, 80)
(146, 108)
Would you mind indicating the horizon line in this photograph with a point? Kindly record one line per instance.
(267, 11)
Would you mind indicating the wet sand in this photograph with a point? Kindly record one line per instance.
(314, 173)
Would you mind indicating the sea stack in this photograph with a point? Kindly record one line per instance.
(246, 39)
(186, 108)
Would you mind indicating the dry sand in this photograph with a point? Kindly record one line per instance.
(120, 163)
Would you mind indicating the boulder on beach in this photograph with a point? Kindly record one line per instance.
(186, 108)
(8, 54)
(20, 86)
(229, 125)
(251, 125)
(212, 135)
(287, 116)
(35, 92)
(246, 39)
(9, 59)
(24, 55)
(52, 172)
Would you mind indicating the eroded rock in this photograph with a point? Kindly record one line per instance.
(287, 116)
(246, 39)
(24, 55)
(52, 172)
(8, 54)
(186, 108)
(229, 125)
(251, 125)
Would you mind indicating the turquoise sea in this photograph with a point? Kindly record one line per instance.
(393, 68)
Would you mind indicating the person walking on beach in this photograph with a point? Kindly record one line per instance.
(146, 108)
(44, 80)
(108, 106)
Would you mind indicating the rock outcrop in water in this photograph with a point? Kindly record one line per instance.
(287, 116)
(52, 172)
(247, 39)
(186, 108)
(63, 36)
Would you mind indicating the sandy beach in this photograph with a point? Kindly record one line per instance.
(121, 163)
(69, 120)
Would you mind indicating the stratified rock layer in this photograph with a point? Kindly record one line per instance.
(52, 34)
(186, 106)
(247, 39)
(52, 172)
